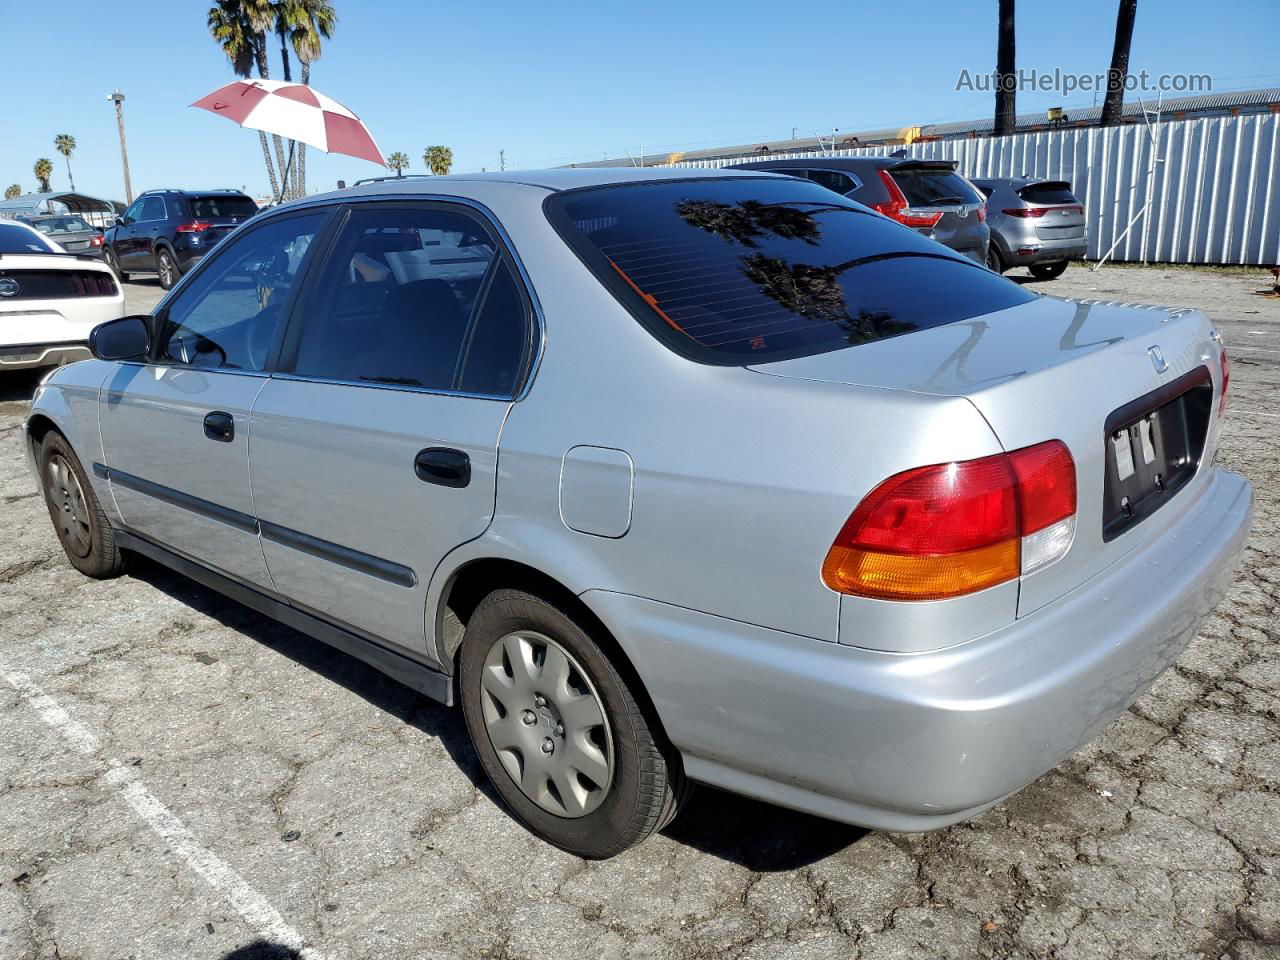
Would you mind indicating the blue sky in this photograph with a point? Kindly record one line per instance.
(560, 82)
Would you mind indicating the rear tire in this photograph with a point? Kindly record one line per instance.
(109, 256)
(1048, 271)
(560, 732)
(994, 262)
(78, 520)
(166, 269)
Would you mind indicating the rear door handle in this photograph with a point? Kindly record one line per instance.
(443, 465)
(220, 426)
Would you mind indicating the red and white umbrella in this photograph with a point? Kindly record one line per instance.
(296, 112)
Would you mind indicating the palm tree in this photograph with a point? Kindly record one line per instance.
(239, 28)
(309, 22)
(65, 144)
(43, 170)
(397, 162)
(1006, 97)
(1113, 105)
(438, 160)
(11, 191)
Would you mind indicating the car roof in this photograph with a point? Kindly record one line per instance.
(565, 178)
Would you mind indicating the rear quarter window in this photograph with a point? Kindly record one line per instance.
(729, 271)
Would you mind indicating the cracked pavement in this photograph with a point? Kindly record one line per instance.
(354, 812)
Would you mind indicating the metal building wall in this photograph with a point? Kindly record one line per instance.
(1215, 190)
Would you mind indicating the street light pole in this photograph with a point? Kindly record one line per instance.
(117, 98)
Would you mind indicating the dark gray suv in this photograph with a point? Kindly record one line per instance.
(928, 195)
(166, 232)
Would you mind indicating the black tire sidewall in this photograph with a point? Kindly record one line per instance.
(102, 559)
(601, 832)
(161, 255)
(1048, 271)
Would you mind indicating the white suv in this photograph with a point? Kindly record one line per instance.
(49, 299)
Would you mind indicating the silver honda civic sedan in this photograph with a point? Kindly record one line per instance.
(669, 477)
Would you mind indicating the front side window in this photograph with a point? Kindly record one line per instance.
(227, 316)
(746, 271)
(415, 296)
(133, 214)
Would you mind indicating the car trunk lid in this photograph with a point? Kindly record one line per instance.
(1088, 373)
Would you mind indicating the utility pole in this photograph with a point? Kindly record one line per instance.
(502, 160)
(117, 98)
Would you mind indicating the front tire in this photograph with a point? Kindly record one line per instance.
(166, 268)
(994, 262)
(78, 520)
(113, 262)
(560, 732)
(1048, 271)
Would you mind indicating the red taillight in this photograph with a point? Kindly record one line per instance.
(96, 241)
(1025, 212)
(982, 214)
(1046, 484)
(897, 208)
(1226, 379)
(195, 226)
(954, 528)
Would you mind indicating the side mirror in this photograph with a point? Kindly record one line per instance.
(125, 339)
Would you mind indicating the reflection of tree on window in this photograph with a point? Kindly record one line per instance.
(750, 220)
(815, 292)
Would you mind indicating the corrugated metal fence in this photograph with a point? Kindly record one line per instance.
(1214, 192)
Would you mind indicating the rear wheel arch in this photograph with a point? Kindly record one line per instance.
(476, 579)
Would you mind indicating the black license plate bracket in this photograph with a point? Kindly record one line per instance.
(1153, 448)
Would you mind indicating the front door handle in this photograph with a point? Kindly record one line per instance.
(442, 465)
(220, 426)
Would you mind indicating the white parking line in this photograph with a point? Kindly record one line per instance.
(252, 906)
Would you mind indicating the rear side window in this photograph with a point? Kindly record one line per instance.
(924, 187)
(217, 207)
(1048, 193)
(832, 180)
(415, 296)
(152, 209)
(731, 271)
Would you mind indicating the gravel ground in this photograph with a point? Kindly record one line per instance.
(181, 778)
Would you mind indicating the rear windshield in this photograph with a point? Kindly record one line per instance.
(15, 239)
(1048, 193)
(61, 225)
(747, 271)
(214, 208)
(924, 187)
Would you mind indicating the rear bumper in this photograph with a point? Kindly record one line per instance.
(920, 741)
(1034, 250)
(28, 356)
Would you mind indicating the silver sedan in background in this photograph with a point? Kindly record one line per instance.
(670, 478)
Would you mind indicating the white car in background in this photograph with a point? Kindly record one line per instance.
(49, 299)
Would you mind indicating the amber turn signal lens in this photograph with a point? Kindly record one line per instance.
(895, 576)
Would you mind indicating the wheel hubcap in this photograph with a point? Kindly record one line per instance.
(71, 513)
(166, 269)
(547, 723)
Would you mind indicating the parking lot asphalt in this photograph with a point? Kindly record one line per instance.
(182, 778)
